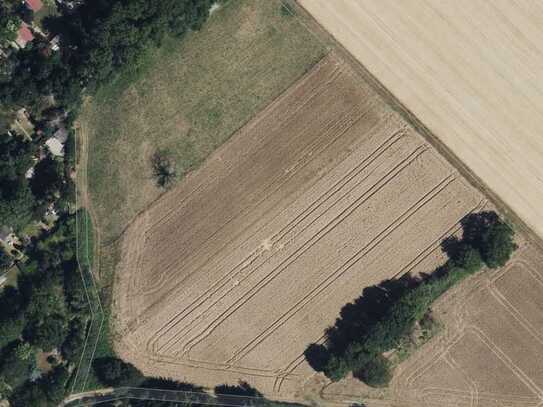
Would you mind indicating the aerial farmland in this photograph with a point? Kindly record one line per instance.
(336, 184)
(469, 70)
(234, 272)
(271, 203)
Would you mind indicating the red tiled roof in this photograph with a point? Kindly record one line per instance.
(25, 35)
(34, 5)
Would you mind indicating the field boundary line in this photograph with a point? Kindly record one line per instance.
(95, 313)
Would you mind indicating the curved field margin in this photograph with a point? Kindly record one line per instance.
(233, 273)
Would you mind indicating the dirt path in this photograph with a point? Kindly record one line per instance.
(78, 396)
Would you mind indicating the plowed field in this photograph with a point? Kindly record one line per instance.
(233, 273)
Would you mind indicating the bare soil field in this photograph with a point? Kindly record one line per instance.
(470, 71)
(490, 352)
(232, 274)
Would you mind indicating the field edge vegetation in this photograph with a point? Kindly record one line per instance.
(385, 317)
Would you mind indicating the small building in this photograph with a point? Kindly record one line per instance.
(54, 44)
(55, 146)
(34, 5)
(24, 36)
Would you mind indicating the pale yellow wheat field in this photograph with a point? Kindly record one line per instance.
(471, 71)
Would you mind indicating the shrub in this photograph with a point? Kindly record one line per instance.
(163, 169)
(375, 372)
(115, 372)
(317, 356)
(10, 330)
(497, 245)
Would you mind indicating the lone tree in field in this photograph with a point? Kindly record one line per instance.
(163, 168)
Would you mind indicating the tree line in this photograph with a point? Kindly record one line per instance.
(379, 320)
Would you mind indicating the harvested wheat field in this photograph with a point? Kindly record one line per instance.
(490, 351)
(470, 70)
(232, 274)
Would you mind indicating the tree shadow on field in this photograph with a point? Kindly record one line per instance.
(357, 318)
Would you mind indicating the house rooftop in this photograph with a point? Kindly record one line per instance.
(55, 146)
(25, 35)
(34, 5)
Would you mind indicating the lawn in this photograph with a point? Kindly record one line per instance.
(188, 98)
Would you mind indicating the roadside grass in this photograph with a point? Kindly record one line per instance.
(188, 97)
(85, 238)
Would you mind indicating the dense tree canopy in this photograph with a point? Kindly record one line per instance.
(47, 391)
(9, 24)
(48, 179)
(16, 199)
(114, 372)
(49, 309)
(99, 38)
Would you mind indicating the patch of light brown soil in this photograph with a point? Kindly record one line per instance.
(232, 274)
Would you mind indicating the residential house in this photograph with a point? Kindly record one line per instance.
(34, 5)
(24, 36)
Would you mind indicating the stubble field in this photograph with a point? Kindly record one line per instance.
(489, 352)
(469, 70)
(232, 274)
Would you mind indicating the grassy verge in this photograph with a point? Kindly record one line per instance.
(85, 238)
(189, 97)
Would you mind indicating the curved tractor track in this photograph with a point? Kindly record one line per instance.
(233, 273)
